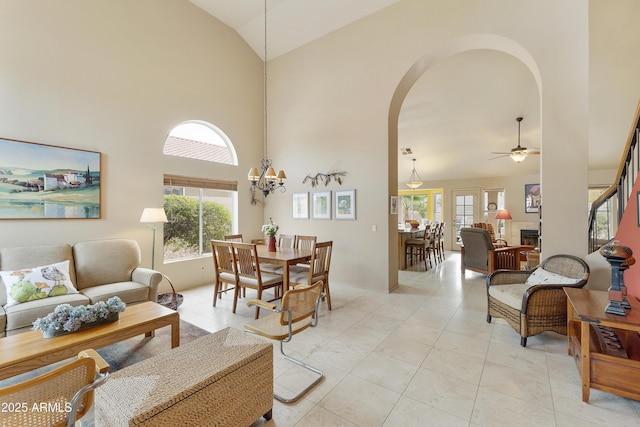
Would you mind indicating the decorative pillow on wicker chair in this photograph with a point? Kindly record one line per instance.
(38, 282)
(540, 276)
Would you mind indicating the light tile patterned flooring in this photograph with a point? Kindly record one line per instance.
(423, 355)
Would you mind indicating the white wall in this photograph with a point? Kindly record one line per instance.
(116, 77)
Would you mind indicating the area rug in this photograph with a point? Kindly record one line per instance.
(133, 350)
(127, 352)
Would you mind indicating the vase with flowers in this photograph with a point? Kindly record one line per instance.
(271, 230)
(66, 319)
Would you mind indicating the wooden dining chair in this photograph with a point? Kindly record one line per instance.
(305, 242)
(237, 238)
(284, 241)
(318, 270)
(419, 248)
(249, 275)
(223, 267)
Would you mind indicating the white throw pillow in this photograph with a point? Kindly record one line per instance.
(540, 276)
(38, 282)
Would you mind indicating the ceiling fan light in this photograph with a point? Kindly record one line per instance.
(518, 156)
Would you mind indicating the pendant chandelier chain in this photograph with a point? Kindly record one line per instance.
(265, 82)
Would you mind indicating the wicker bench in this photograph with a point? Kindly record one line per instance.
(222, 379)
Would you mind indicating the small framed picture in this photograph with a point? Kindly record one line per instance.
(393, 205)
(300, 205)
(532, 198)
(345, 204)
(321, 202)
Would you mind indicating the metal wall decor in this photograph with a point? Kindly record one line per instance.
(325, 178)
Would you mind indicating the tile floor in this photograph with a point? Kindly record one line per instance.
(423, 355)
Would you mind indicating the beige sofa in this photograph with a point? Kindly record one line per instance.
(98, 269)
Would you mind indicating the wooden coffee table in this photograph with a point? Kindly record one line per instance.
(29, 350)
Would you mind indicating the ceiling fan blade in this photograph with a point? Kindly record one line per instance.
(533, 152)
(504, 155)
(500, 152)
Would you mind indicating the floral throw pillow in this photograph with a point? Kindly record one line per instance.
(540, 276)
(35, 283)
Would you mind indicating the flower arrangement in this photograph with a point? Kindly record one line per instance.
(67, 318)
(270, 229)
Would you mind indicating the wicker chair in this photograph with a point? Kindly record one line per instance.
(298, 311)
(66, 390)
(534, 301)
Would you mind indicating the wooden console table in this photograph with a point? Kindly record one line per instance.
(604, 367)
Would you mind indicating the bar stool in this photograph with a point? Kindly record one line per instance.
(418, 247)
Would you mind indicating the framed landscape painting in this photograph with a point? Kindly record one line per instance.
(345, 204)
(321, 205)
(39, 181)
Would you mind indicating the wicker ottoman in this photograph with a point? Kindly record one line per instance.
(222, 379)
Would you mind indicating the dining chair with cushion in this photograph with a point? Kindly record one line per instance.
(284, 241)
(249, 275)
(67, 392)
(440, 240)
(297, 312)
(418, 248)
(318, 270)
(224, 268)
(534, 301)
(305, 242)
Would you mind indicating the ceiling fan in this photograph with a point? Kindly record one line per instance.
(518, 153)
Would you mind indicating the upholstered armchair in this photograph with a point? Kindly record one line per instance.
(480, 255)
(497, 242)
(534, 301)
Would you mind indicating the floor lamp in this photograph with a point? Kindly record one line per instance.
(152, 216)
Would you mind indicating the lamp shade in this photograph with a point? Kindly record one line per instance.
(503, 214)
(152, 215)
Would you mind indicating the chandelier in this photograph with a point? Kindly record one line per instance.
(266, 180)
(414, 179)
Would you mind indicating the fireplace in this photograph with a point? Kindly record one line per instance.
(529, 237)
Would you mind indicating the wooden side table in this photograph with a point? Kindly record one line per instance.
(605, 347)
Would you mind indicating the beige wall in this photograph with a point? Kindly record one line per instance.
(337, 101)
(116, 77)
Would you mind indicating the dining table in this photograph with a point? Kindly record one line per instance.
(284, 257)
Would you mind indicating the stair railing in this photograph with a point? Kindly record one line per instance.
(606, 211)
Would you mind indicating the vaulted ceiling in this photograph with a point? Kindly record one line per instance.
(453, 119)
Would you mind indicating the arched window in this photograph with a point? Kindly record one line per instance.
(198, 209)
(200, 140)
